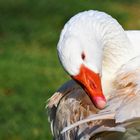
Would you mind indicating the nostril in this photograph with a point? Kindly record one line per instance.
(92, 84)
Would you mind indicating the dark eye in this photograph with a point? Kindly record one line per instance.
(83, 56)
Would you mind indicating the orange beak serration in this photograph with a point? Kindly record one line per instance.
(91, 82)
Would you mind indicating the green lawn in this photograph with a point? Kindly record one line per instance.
(29, 68)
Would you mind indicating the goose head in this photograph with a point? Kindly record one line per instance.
(83, 66)
(87, 39)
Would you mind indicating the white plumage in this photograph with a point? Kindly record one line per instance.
(96, 41)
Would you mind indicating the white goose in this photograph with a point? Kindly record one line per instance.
(94, 48)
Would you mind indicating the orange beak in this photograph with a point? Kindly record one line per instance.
(92, 84)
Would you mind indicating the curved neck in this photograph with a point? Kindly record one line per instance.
(116, 52)
(116, 49)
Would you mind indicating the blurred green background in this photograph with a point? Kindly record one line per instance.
(29, 68)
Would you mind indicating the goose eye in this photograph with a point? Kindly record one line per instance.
(83, 56)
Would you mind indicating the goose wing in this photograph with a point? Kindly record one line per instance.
(67, 106)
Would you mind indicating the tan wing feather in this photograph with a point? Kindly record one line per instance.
(67, 106)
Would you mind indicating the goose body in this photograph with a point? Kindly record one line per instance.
(104, 60)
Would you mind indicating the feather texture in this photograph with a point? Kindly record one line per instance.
(123, 105)
(73, 116)
(109, 52)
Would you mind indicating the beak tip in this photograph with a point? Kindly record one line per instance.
(100, 103)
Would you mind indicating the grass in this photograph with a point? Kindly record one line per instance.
(29, 68)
